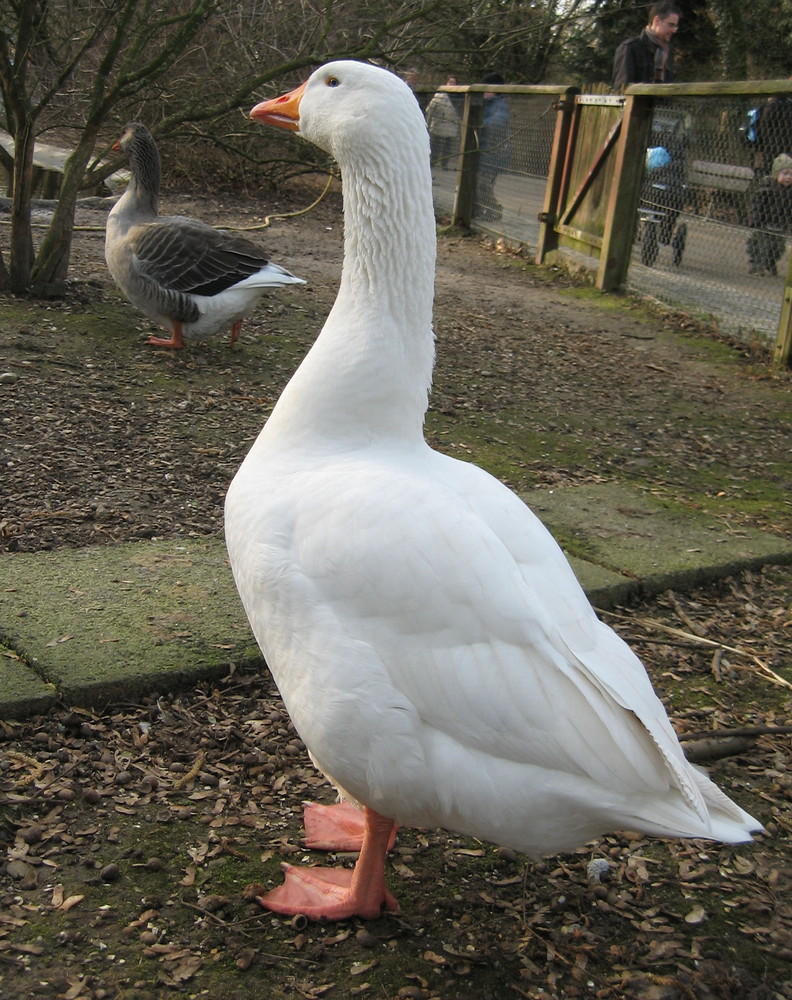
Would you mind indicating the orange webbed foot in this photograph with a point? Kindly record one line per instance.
(176, 341)
(327, 894)
(338, 827)
(339, 893)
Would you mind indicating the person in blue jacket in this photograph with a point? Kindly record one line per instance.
(494, 148)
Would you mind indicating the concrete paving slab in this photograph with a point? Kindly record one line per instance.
(604, 588)
(109, 623)
(52, 160)
(647, 539)
(106, 624)
(22, 692)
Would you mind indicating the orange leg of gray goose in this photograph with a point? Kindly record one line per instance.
(176, 341)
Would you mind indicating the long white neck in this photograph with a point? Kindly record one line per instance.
(368, 375)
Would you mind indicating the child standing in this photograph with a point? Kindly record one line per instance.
(771, 217)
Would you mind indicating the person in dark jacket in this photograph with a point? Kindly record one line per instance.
(648, 57)
(771, 217)
(412, 79)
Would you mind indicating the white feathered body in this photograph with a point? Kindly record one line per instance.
(429, 638)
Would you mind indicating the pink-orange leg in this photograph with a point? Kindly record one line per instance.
(176, 341)
(338, 827)
(340, 893)
(235, 331)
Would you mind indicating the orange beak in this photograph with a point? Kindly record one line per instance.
(283, 112)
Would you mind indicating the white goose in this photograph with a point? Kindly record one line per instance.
(429, 639)
(186, 276)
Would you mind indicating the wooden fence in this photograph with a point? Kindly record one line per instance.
(596, 171)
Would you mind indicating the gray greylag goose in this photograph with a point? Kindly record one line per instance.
(186, 276)
(431, 643)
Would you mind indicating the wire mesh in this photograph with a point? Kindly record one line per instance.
(701, 242)
(712, 232)
(515, 142)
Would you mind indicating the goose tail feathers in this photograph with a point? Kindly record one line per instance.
(671, 816)
(271, 276)
(730, 824)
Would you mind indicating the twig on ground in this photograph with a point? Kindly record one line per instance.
(652, 623)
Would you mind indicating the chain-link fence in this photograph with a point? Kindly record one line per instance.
(516, 139)
(712, 235)
(712, 229)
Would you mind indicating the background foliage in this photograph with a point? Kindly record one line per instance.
(74, 71)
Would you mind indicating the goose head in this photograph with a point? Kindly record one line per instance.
(140, 149)
(340, 106)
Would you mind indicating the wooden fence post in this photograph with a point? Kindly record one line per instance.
(621, 214)
(548, 238)
(782, 353)
(467, 170)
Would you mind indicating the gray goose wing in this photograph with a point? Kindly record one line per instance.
(182, 255)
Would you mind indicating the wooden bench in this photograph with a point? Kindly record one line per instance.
(721, 186)
(49, 163)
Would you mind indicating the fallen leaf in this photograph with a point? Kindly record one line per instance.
(696, 916)
(71, 902)
(29, 949)
(359, 968)
(434, 958)
(743, 866)
(186, 969)
(190, 873)
(55, 642)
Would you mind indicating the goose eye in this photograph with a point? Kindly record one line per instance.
(333, 81)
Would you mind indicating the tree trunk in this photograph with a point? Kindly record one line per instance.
(52, 261)
(730, 34)
(21, 256)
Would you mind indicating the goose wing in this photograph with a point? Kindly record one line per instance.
(190, 257)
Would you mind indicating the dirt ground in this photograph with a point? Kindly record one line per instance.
(129, 836)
